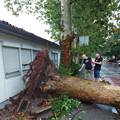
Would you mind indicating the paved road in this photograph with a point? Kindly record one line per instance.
(111, 72)
(91, 112)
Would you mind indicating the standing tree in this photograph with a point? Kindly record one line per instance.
(67, 35)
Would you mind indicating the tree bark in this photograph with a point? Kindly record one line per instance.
(66, 45)
(66, 17)
(85, 90)
(67, 36)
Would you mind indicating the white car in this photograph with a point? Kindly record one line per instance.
(118, 62)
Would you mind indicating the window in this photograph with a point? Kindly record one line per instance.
(54, 58)
(35, 53)
(26, 59)
(11, 61)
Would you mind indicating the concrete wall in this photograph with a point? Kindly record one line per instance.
(11, 86)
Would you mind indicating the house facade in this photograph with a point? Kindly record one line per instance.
(17, 49)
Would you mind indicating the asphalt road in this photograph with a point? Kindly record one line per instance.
(110, 70)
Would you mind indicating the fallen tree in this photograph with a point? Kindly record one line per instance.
(85, 90)
(42, 80)
(43, 71)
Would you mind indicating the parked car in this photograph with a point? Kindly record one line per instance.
(118, 63)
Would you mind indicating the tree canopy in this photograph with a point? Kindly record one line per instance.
(97, 19)
(113, 45)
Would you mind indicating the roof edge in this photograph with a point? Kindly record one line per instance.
(19, 32)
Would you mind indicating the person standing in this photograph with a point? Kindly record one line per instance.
(86, 67)
(97, 67)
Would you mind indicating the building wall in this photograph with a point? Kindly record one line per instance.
(10, 86)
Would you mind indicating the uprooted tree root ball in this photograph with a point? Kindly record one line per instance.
(41, 70)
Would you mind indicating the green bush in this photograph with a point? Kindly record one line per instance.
(72, 71)
(63, 71)
(75, 69)
(64, 106)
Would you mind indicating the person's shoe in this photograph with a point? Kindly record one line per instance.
(100, 79)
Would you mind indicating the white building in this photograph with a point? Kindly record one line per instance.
(17, 49)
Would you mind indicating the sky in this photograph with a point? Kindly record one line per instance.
(27, 22)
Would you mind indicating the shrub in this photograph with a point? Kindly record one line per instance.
(63, 71)
(63, 106)
(74, 69)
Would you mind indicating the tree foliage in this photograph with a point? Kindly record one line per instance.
(113, 45)
(63, 106)
(93, 18)
(47, 10)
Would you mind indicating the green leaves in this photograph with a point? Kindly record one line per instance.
(64, 106)
(84, 49)
(112, 45)
(63, 71)
(53, 13)
(89, 17)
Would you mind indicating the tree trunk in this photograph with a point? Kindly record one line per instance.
(67, 36)
(66, 17)
(85, 90)
(66, 45)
